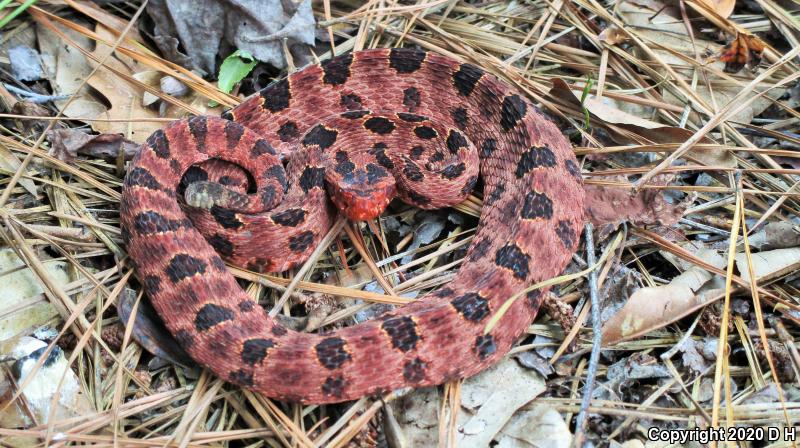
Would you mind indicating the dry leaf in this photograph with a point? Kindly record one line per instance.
(691, 356)
(491, 398)
(124, 97)
(613, 35)
(743, 50)
(769, 265)
(535, 426)
(669, 134)
(417, 416)
(599, 110)
(127, 113)
(66, 68)
(661, 24)
(208, 27)
(10, 163)
(638, 366)
(489, 402)
(166, 109)
(69, 67)
(173, 86)
(24, 305)
(651, 308)
(776, 235)
(723, 8)
(610, 114)
(65, 144)
(655, 307)
(32, 128)
(108, 146)
(26, 64)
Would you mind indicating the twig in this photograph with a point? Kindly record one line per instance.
(34, 97)
(594, 357)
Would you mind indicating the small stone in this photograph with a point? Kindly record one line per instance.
(172, 86)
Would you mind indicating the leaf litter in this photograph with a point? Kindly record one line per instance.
(629, 83)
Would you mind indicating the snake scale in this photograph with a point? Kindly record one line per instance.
(362, 128)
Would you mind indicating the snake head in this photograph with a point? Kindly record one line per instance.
(362, 193)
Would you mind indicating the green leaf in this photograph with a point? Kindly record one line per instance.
(586, 89)
(234, 68)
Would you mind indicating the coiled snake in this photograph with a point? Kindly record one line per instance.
(366, 126)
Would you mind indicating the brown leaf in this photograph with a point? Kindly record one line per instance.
(613, 35)
(108, 146)
(124, 97)
(661, 23)
(651, 308)
(31, 127)
(776, 235)
(122, 108)
(67, 68)
(65, 144)
(743, 50)
(723, 8)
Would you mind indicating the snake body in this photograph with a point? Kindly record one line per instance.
(366, 126)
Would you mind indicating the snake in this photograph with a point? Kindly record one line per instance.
(345, 138)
